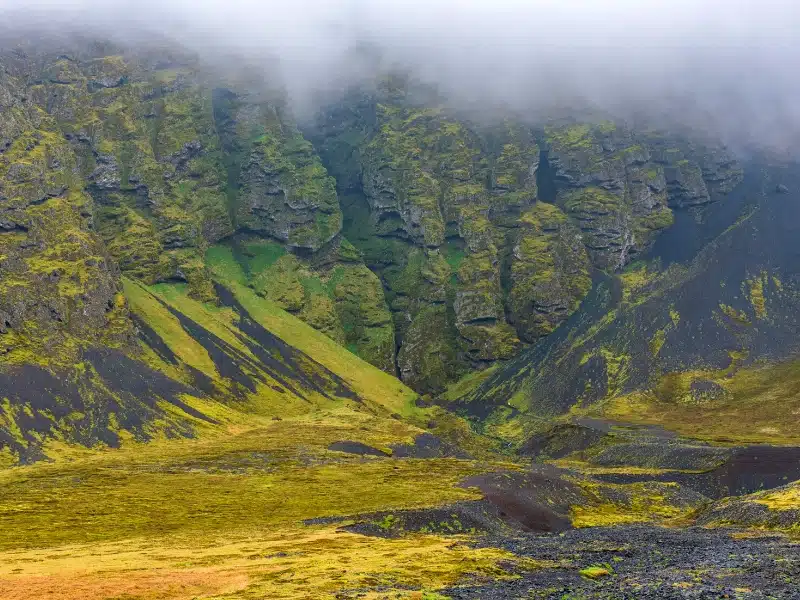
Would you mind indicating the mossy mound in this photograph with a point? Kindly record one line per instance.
(775, 510)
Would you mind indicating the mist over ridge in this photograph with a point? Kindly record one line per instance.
(722, 68)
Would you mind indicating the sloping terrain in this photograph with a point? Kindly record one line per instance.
(699, 337)
(416, 355)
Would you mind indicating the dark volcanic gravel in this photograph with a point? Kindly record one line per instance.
(647, 563)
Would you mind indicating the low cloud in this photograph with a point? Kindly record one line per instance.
(727, 68)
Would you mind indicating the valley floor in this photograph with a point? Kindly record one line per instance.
(270, 511)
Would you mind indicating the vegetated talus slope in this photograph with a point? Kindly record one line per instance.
(700, 336)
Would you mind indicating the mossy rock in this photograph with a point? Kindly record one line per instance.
(428, 358)
(549, 272)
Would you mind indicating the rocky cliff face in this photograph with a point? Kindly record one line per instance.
(438, 255)
(59, 287)
(125, 163)
(699, 334)
(470, 251)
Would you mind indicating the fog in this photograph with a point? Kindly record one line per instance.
(724, 67)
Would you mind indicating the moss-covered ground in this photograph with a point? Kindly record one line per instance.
(757, 404)
(221, 517)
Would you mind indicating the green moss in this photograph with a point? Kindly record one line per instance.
(55, 278)
(616, 504)
(427, 361)
(363, 312)
(377, 387)
(595, 572)
(657, 341)
(275, 155)
(756, 294)
(638, 281)
(572, 136)
(742, 404)
(345, 301)
(549, 272)
(737, 316)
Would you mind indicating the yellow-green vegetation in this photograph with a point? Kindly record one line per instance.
(772, 510)
(284, 191)
(637, 279)
(658, 340)
(570, 137)
(756, 294)
(468, 383)
(786, 498)
(369, 382)
(586, 468)
(754, 404)
(344, 300)
(57, 288)
(223, 514)
(596, 571)
(549, 271)
(319, 562)
(737, 316)
(617, 366)
(614, 504)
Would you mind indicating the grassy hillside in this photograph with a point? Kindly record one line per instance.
(369, 382)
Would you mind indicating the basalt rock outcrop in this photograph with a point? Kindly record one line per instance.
(121, 162)
(426, 242)
(485, 236)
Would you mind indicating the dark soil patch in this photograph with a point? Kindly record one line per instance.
(562, 440)
(89, 407)
(356, 448)
(666, 455)
(747, 470)
(427, 445)
(536, 501)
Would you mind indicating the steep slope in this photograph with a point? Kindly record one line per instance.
(486, 234)
(194, 369)
(699, 336)
(150, 158)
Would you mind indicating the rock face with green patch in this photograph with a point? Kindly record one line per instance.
(718, 298)
(619, 186)
(282, 189)
(436, 256)
(610, 189)
(145, 145)
(150, 161)
(433, 203)
(336, 294)
(59, 288)
(549, 272)
(448, 213)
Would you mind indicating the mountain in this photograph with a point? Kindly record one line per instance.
(398, 350)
